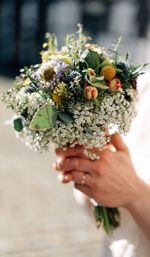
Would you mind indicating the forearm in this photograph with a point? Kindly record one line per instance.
(140, 208)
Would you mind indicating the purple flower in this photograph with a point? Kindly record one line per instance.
(54, 62)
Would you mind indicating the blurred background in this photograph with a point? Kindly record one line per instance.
(39, 217)
(23, 24)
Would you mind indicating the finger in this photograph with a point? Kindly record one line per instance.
(110, 147)
(65, 177)
(57, 165)
(78, 150)
(82, 178)
(118, 143)
(78, 164)
(84, 189)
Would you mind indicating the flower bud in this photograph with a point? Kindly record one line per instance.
(90, 93)
(91, 72)
(114, 85)
(109, 72)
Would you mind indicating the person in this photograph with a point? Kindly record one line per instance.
(114, 181)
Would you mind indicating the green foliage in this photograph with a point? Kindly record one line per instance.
(136, 70)
(18, 124)
(66, 117)
(114, 51)
(75, 45)
(98, 82)
(93, 60)
(44, 118)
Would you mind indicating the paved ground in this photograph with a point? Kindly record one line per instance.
(38, 216)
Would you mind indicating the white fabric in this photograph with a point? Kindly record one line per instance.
(128, 240)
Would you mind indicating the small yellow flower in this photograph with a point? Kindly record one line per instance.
(109, 72)
(91, 46)
(45, 56)
(26, 82)
(67, 59)
(56, 98)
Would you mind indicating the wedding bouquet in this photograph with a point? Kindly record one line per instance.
(79, 94)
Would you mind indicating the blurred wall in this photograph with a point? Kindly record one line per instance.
(23, 24)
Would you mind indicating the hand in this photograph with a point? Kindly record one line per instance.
(111, 180)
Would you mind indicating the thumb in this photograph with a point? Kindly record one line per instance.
(118, 143)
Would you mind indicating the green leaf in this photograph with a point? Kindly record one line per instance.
(44, 118)
(94, 79)
(18, 125)
(82, 65)
(92, 59)
(66, 117)
(138, 69)
(98, 82)
(118, 70)
(104, 63)
(101, 85)
(127, 56)
(97, 102)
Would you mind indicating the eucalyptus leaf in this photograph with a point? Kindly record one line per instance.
(101, 85)
(94, 79)
(44, 118)
(66, 117)
(92, 59)
(98, 82)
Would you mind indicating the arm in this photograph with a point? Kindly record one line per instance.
(140, 208)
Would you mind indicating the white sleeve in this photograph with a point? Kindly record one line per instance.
(138, 139)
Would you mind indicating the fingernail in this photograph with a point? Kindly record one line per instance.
(66, 177)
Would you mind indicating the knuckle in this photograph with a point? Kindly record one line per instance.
(96, 166)
(106, 155)
(75, 163)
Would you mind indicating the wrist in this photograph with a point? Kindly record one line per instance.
(139, 197)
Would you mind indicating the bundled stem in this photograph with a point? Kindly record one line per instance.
(109, 218)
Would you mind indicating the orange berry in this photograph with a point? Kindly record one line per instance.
(109, 72)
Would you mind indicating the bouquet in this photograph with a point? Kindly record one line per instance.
(79, 94)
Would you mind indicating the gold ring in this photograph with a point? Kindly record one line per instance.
(83, 179)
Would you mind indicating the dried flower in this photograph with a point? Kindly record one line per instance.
(48, 74)
(114, 85)
(109, 72)
(90, 93)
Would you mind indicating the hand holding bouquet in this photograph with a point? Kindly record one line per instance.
(77, 95)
